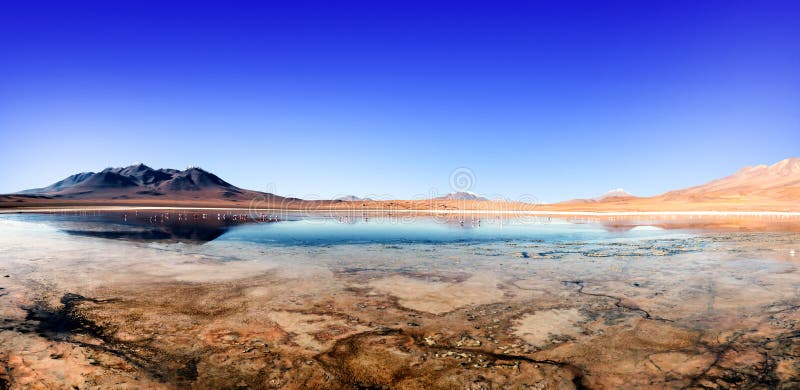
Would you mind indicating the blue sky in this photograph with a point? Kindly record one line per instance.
(315, 99)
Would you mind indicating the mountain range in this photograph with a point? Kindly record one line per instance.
(780, 181)
(773, 187)
(142, 182)
(763, 187)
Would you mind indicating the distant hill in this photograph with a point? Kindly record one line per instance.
(617, 194)
(352, 198)
(463, 195)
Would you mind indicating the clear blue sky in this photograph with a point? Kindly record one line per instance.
(554, 99)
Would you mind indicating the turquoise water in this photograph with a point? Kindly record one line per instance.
(310, 230)
(427, 230)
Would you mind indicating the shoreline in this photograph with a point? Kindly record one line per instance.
(339, 211)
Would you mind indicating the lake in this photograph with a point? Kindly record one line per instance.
(216, 299)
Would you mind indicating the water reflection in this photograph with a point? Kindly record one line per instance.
(167, 227)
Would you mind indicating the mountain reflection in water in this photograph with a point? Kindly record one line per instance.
(169, 227)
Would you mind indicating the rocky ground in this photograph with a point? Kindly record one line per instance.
(709, 312)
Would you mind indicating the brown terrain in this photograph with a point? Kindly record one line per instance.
(761, 188)
(773, 187)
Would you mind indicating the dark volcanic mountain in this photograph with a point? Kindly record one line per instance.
(66, 183)
(140, 181)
